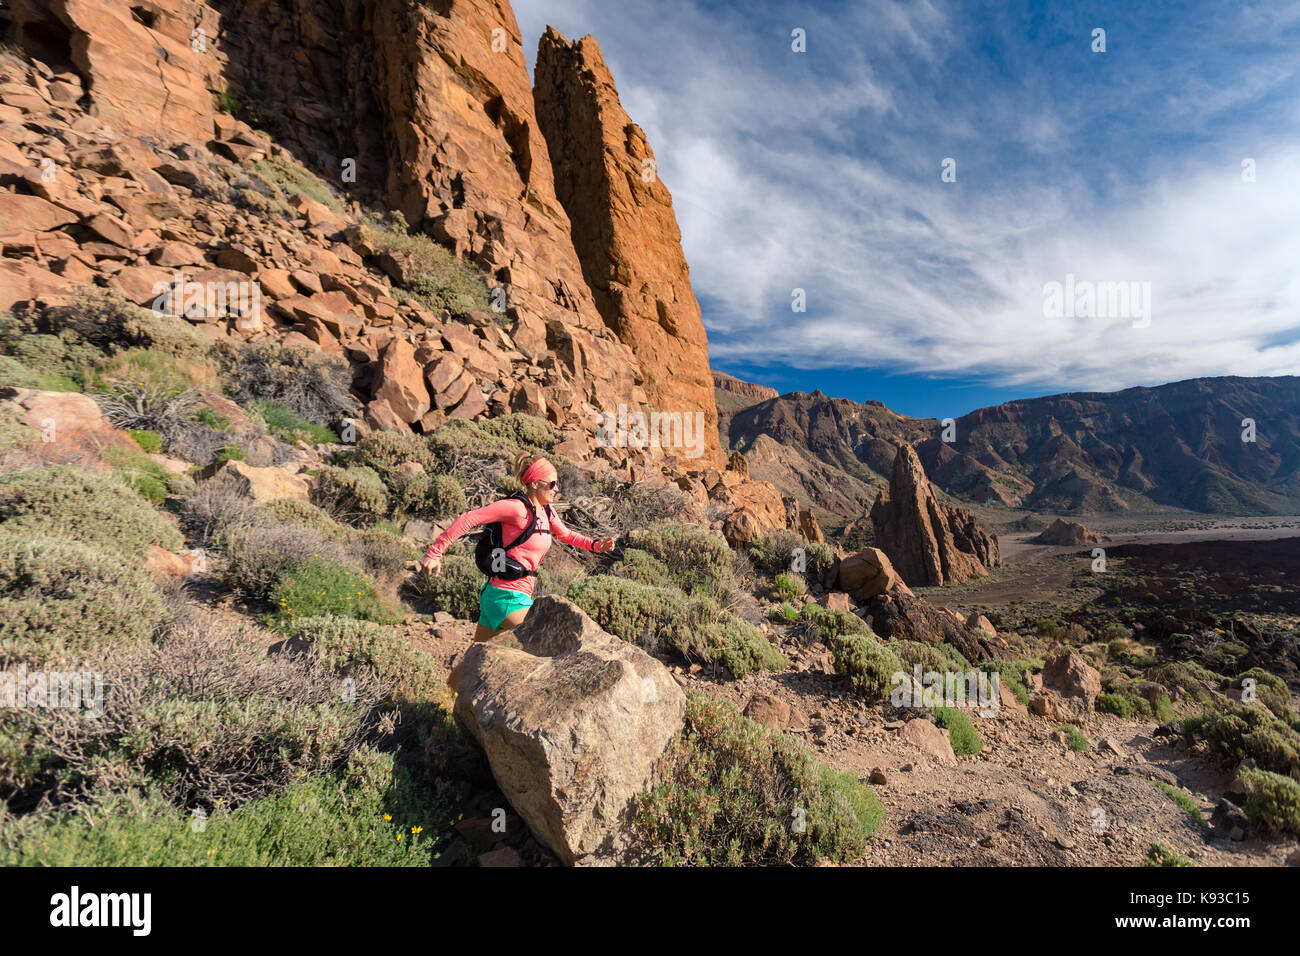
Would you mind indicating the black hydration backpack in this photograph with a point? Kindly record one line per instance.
(490, 552)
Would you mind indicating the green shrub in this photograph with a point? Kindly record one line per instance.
(1116, 704)
(291, 177)
(714, 635)
(1164, 709)
(1114, 632)
(783, 613)
(156, 368)
(305, 513)
(212, 418)
(639, 613)
(455, 589)
(147, 440)
(231, 451)
(931, 657)
(640, 566)
(1160, 855)
(429, 273)
(1190, 678)
(696, 559)
(775, 553)
(868, 664)
(318, 586)
(523, 431)
(1272, 801)
(436, 496)
(656, 618)
(963, 736)
(98, 510)
(1075, 739)
(379, 552)
(830, 623)
(203, 716)
(60, 598)
(354, 493)
(458, 438)
(1249, 730)
(284, 424)
(1185, 803)
(1048, 628)
(144, 474)
(733, 793)
(14, 432)
(352, 818)
(108, 321)
(1271, 691)
(386, 451)
(15, 373)
(789, 586)
(258, 552)
(344, 644)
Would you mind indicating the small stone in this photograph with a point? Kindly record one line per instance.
(878, 776)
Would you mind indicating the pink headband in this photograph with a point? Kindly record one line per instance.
(540, 470)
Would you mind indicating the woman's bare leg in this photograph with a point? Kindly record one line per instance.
(513, 619)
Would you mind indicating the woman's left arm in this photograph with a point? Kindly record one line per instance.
(563, 534)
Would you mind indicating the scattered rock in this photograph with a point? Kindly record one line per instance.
(930, 739)
(1062, 532)
(260, 484)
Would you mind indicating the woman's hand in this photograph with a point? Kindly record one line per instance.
(431, 565)
(603, 545)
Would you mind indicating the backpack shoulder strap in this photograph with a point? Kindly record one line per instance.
(532, 522)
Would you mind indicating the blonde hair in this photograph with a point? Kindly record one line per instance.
(523, 461)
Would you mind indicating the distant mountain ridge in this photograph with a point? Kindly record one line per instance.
(1178, 445)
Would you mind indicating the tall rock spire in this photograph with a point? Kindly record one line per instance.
(624, 228)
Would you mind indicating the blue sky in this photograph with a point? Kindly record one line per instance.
(821, 171)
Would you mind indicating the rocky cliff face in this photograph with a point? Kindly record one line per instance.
(741, 388)
(928, 542)
(624, 228)
(428, 107)
(124, 161)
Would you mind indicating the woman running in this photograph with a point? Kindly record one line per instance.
(504, 603)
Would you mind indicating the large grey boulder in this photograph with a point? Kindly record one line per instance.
(572, 721)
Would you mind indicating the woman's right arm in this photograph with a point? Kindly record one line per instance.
(497, 511)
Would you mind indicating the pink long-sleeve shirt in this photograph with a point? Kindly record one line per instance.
(513, 515)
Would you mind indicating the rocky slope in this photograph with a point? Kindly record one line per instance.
(441, 127)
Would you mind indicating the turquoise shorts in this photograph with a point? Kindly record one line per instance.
(496, 604)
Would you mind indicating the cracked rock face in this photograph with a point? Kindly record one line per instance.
(572, 721)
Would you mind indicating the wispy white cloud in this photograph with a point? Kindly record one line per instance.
(821, 171)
